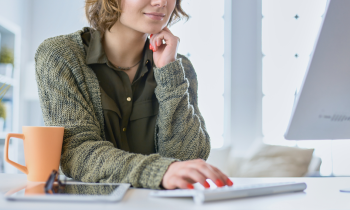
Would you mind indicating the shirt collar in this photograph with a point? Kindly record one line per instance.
(96, 53)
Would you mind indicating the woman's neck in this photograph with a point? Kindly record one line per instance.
(123, 46)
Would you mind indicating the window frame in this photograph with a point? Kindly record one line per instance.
(243, 75)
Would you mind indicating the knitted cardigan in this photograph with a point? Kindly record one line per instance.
(70, 97)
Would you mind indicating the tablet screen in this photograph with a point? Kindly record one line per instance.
(81, 189)
(70, 189)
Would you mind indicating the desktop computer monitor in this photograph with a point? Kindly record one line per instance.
(322, 106)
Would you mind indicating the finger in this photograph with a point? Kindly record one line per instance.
(156, 45)
(151, 37)
(209, 172)
(162, 35)
(223, 176)
(183, 184)
(177, 181)
(158, 41)
(167, 29)
(223, 180)
(154, 42)
(189, 180)
(193, 176)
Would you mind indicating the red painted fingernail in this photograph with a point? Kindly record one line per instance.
(153, 50)
(150, 46)
(189, 186)
(206, 184)
(219, 183)
(151, 36)
(229, 182)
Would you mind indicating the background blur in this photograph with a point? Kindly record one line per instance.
(250, 58)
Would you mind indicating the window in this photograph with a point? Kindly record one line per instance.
(202, 41)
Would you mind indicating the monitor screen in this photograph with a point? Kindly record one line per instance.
(322, 106)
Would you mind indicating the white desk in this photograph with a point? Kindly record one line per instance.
(321, 193)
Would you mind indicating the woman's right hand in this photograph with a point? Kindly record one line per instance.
(185, 173)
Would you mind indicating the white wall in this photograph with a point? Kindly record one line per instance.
(52, 18)
(14, 10)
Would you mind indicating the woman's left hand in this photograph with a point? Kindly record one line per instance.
(164, 53)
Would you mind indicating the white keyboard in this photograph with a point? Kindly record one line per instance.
(201, 196)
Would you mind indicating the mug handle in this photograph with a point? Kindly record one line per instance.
(7, 141)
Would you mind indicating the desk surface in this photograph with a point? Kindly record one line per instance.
(321, 193)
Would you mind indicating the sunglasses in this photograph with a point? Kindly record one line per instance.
(50, 188)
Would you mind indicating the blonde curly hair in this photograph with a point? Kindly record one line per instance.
(103, 14)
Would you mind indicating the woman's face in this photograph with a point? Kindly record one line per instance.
(146, 16)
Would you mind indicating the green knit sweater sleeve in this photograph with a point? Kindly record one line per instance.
(180, 132)
(65, 101)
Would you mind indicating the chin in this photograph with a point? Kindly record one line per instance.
(152, 30)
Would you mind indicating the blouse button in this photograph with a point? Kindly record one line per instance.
(124, 129)
(146, 61)
(128, 99)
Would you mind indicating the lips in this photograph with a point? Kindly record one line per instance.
(155, 16)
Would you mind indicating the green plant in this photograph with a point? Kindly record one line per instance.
(6, 55)
(2, 111)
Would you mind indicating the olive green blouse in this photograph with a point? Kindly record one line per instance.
(130, 109)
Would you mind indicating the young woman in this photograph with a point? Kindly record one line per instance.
(128, 103)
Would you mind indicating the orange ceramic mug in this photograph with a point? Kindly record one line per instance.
(42, 151)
